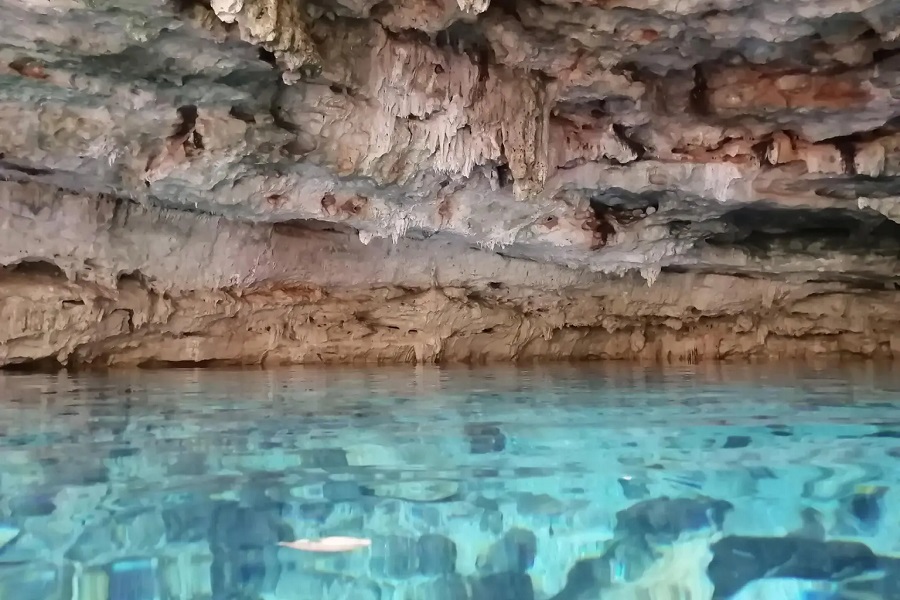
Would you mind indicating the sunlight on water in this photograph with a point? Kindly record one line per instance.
(600, 482)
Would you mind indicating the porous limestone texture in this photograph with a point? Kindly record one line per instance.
(276, 181)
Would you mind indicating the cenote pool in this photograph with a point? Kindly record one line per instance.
(565, 483)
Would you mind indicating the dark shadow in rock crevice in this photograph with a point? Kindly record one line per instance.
(47, 364)
(858, 186)
(620, 199)
(30, 171)
(40, 268)
(304, 227)
(766, 230)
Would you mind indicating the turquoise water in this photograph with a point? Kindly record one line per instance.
(603, 482)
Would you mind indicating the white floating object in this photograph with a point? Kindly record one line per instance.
(329, 544)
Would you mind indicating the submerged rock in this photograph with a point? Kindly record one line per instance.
(862, 511)
(634, 489)
(342, 491)
(539, 504)
(134, 533)
(324, 458)
(491, 521)
(134, 579)
(450, 587)
(37, 505)
(631, 569)
(502, 586)
(740, 560)
(244, 545)
(513, 553)
(394, 557)
(188, 521)
(659, 545)
(485, 438)
(667, 518)
(437, 554)
(33, 580)
(303, 585)
(415, 491)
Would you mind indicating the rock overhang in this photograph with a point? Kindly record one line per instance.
(598, 142)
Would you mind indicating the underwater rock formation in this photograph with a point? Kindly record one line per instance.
(277, 181)
(189, 493)
(738, 561)
(661, 549)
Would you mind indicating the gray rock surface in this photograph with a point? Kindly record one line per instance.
(266, 181)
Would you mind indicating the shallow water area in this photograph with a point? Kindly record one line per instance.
(563, 483)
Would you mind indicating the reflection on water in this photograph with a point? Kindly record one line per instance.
(609, 482)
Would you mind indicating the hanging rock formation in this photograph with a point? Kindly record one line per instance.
(281, 181)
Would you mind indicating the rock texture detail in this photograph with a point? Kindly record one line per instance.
(268, 181)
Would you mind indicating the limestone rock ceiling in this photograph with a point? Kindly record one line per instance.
(748, 138)
(609, 135)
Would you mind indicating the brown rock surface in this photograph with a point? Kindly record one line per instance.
(266, 181)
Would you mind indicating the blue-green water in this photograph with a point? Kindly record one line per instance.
(602, 482)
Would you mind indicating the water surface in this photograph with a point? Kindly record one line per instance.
(565, 483)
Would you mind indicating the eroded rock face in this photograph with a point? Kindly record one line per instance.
(348, 180)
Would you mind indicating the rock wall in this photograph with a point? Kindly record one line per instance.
(264, 181)
(107, 281)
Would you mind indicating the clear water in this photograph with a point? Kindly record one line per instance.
(564, 483)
